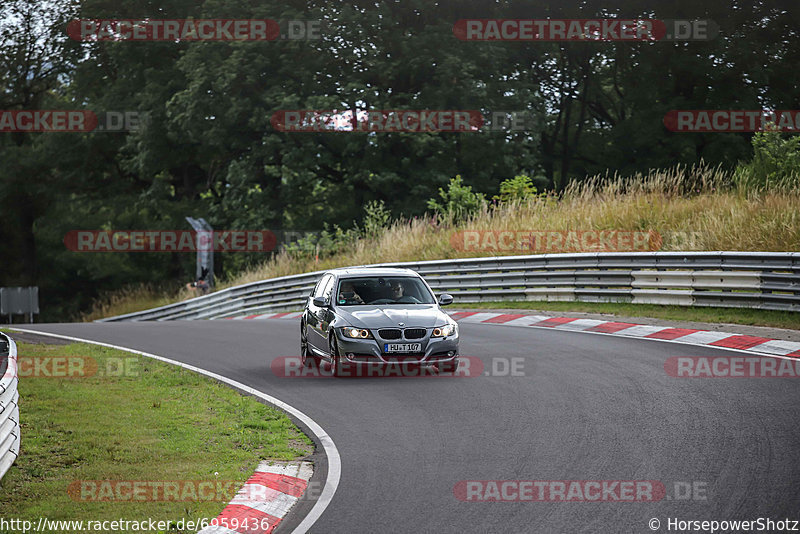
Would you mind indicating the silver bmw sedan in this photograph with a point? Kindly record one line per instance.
(377, 317)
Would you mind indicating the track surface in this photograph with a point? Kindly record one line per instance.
(587, 408)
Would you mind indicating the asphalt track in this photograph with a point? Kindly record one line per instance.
(587, 407)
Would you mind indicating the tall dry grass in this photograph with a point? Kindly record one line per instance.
(692, 208)
(133, 298)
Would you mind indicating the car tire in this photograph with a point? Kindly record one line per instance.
(448, 367)
(306, 356)
(337, 366)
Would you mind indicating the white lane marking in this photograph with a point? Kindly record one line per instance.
(264, 499)
(334, 460)
(289, 469)
(777, 346)
(522, 321)
(478, 317)
(580, 324)
(217, 529)
(705, 337)
(642, 330)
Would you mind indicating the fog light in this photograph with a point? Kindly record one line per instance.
(450, 354)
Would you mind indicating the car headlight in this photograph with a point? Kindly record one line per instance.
(444, 331)
(357, 333)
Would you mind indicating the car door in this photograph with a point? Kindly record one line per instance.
(316, 338)
(309, 318)
(327, 315)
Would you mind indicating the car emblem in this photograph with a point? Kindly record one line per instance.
(401, 324)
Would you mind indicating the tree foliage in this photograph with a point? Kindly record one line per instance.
(517, 188)
(457, 202)
(208, 148)
(775, 164)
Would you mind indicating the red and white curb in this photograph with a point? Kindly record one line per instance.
(264, 499)
(710, 338)
(285, 315)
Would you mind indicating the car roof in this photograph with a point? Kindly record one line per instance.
(350, 272)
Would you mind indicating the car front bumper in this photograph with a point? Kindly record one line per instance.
(434, 349)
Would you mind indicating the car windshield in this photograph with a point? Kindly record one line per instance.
(388, 290)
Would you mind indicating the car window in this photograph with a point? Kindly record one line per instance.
(383, 290)
(320, 288)
(328, 289)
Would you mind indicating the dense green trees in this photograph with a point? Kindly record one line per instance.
(208, 148)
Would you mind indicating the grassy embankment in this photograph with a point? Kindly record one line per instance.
(692, 209)
(154, 423)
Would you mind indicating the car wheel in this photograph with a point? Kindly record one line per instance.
(448, 367)
(308, 359)
(337, 365)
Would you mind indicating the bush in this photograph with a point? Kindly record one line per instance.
(776, 163)
(376, 218)
(517, 188)
(333, 241)
(325, 243)
(458, 202)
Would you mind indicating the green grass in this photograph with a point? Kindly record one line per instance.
(160, 423)
(775, 319)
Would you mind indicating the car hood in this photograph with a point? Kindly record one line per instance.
(426, 316)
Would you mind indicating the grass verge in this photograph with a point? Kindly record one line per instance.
(156, 422)
(774, 319)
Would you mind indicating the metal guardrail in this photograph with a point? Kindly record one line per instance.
(19, 301)
(761, 280)
(9, 404)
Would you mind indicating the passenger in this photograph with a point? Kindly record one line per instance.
(348, 293)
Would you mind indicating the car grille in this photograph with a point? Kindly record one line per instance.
(414, 333)
(389, 333)
(404, 358)
(364, 357)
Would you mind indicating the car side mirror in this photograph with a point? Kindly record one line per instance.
(320, 302)
(445, 299)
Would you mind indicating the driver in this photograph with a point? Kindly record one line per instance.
(348, 293)
(398, 290)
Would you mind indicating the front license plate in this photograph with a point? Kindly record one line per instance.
(402, 347)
